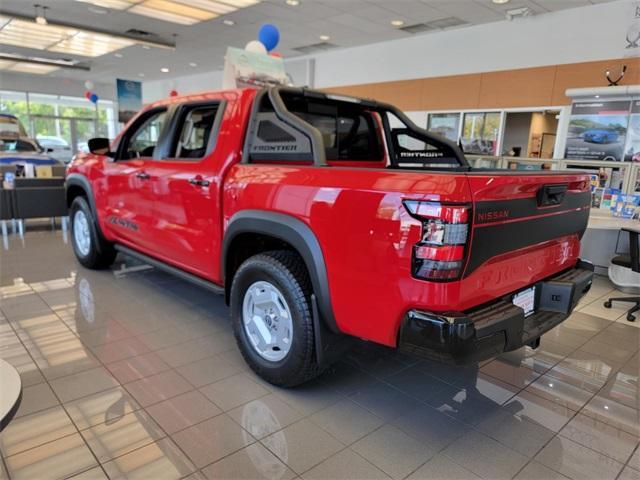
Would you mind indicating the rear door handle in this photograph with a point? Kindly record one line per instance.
(143, 175)
(199, 182)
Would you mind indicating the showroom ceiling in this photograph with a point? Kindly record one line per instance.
(202, 29)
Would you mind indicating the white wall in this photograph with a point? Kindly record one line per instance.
(568, 36)
(583, 34)
(156, 90)
(53, 85)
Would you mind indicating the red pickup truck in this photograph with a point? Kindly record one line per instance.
(322, 218)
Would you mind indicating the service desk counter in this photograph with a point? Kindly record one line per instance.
(602, 239)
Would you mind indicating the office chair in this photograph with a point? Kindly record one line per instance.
(624, 272)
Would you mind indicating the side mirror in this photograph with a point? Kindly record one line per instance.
(49, 150)
(99, 146)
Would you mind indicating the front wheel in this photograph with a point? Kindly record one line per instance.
(272, 318)
(91, 250)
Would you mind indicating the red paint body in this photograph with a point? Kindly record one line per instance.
(354, 209)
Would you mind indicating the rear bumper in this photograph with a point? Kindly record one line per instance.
(465, 337)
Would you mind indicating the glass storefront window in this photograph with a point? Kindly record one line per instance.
(61, 124)
(15, 103)
(445, 124)
(76, 107)
(480, 132)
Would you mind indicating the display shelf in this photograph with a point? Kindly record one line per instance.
(604, 220)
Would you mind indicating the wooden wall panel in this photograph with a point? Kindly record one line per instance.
(517, 88)
(525, 87)
(591, 74)
(445, 93)
(364, 91)
(405, 94)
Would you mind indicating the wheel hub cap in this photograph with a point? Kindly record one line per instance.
(81, 234)
(267, 321)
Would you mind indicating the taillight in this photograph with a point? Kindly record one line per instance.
(440, 253)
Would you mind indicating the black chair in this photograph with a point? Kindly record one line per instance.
(631, 261)
(39, 198)
(39, 202)
(21, 182)
(6, 209)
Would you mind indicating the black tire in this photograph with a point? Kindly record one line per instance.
(607, 304)
(286, 271)
(631, 317)
(101, 253)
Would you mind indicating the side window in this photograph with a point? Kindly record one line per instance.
(194, 132)
(414, 150)
(144, 139)
(348, 133)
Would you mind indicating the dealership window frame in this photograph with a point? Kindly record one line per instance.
(422, 118)
(107, 127)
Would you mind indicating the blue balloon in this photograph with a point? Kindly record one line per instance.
(93, 98)
(269, 36)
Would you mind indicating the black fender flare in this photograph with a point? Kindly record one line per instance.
(78, 180)
(296, 233)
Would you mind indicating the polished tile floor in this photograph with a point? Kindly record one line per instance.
(130, 373)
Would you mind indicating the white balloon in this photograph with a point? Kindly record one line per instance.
(256, 46)
(89, 84)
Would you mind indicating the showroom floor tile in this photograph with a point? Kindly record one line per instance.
(130, 373)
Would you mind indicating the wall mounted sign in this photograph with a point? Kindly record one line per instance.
(129, 99)
(597, 130)
(244, 68)
(632, 150)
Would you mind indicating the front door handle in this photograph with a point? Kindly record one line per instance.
(143, 175)
(199, 182)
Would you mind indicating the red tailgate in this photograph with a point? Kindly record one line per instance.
(526, 226)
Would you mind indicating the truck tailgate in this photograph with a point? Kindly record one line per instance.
(514, 211)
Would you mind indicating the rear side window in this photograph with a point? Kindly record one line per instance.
(349, 132)
(195, 132)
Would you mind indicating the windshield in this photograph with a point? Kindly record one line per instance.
(17, 146)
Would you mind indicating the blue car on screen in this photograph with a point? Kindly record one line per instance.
(600, 136)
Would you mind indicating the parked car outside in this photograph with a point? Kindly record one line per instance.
(60, 148)
(23, 151)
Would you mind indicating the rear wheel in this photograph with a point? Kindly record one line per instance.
(272, 317)
(91, 250)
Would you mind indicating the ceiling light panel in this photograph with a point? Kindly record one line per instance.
(23, 67)
(184, 12)
(22, 33)
(32, 68)
(90, 44)
(160, 15)
(241, 3)
(209, 6)
(113, 4)
(179, 8)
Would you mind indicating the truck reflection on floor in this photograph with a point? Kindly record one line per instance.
(381, 381)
